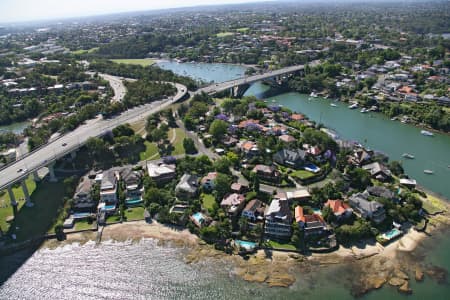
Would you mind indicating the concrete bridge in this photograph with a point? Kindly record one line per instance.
(238, 87)
(68, 144)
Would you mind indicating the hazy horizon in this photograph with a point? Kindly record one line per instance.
(15, 11)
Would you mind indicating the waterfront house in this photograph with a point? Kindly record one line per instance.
(286, 138)
(161, 173)
(133, 185)
(367, 209)
(233, 203)
(82, 199)
(378, 171)
(339, 208)
(207, 181)
(253, 210)
(278, 219)
(311, 224)
(187, 187)
(382, 192)
(290, 158)
(267, 173)
(108, 187)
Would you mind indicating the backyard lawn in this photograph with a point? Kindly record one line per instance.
(83, 225)
(134, 213)
(302, 174)
(142, 62)
(224, 34)
(82, 51)
(207, 201)
(278, 245)
(151, 151)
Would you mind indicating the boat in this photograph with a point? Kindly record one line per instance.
(426, 133)
(394, 119)
(407, 155)
(429, 172)
(334, 105)
(353, 106)
(313, 95)
(274, 100)
(364, 110)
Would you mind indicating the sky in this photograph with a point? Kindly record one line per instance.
(32, 10)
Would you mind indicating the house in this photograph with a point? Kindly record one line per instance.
(207, 182)
(298, 195)
(286, 138)
(297, 117)
(278, 219)
(378, 171)
(133, 185)
(248, 147)
(233, 203)
(359, 156)
(310, 224)
(239, 188)
(367, 209)
(290, 158)
(187, 187)
(268, 173)
(108, 187)
(9, 155)
(253, 210)
(82, 199)
(161, 173)
(339, 208)
(381, 192)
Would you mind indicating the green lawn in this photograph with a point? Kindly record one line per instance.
(224, 34)
(302, 174)
(243, 29)
(433, 205)
(82, 51)
(151, 151)
(113, 218)
(278, 245)
(207, 201)
(37, 220)
(5, 206)
(134, 213)
(83, 225)
(142, 62)
(178, 143)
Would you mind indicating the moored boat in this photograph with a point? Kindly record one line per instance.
(353, 106)
(364, 110)
(429, 172)
(426, 133)
(408, 155)
(334, 105)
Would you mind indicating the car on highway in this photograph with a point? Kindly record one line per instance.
(64, 144)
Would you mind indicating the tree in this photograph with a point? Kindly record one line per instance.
(396, 167)
(123, 130)
(359, 178)
(222, 165)
(218, 129)
(222, 185)
(96, 147)
(189, 146)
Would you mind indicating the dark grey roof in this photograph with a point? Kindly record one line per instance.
(381, 191)
(360, 201)
(289, 155)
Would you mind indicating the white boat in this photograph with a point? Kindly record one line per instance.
(363, 110)
(429, 172)
(274, 100)
(426, 133)
(313, 95)
(408, 155)
(334, 105)
(353, 106)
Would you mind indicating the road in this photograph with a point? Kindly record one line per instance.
(117, 85)
(77, 138)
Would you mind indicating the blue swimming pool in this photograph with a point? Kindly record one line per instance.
(311, 167)
(109, 207)
(245, 244)
(392, 234)
(81, 215)
(198, 216)
(133, 201)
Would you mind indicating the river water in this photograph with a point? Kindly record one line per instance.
(146, 270)
(17, 128)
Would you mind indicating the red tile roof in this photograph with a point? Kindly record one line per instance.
(337, 206)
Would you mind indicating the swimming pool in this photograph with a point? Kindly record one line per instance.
(133, 201)
(245, 244)
(81, 215)
(312, 168)
(392, 234)
(198, 216)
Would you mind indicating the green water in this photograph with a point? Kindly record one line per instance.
(15, 127)
(380, 133)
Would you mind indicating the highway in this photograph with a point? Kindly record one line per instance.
(69, 142)
(72, 141)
